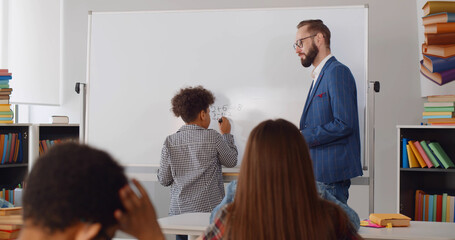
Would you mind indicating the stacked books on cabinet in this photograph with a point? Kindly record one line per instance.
(439, 110)
(10, 222)
(6, 114)
(438, 64)
(434, 207)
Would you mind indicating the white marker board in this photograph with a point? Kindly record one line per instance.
(139, 60)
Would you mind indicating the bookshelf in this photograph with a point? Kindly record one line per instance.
(430, 180)
(12, 174)
(50, 132)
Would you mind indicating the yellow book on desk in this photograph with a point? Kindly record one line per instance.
(397, 219)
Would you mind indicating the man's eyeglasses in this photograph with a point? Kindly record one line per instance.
(299, 43)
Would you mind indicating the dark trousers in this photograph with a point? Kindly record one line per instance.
(181, 237)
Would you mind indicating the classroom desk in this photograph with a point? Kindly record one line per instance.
(194, 224)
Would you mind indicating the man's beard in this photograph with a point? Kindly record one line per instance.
(310, 56)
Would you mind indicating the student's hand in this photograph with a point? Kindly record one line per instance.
(225, 126)
(139, 217)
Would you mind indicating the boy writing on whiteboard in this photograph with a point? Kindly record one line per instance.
(191, 158)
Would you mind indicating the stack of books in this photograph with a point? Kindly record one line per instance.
(10, 222)
(434, 207)
(6, 114)
(424, 154)
(438, 64)
(439, 110)
(45, 144)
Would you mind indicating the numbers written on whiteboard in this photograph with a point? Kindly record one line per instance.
(218, 111)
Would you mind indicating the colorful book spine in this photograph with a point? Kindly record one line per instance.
(439, 109)
(432, 7)
(5, 145)
(423, 154)
(405, 161)
(437, 116)
(427, 207)
(417, 154)
(437, 64)
(440, 28)
(440, 78)
(444, 208)
(429, 153)
(413, 163)
(441, 155)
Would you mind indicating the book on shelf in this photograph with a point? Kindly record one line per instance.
(438, 28)
(405, 161)
(413, 163)
(5, 77)
(444, 208)
(441, 120)
(440, 17)
(440, 78)
(417, 154)
(439, 104)
(60, 119)
(5, 145)
(5, 74)
(418, 213)
(441, 154)
(435, 206)
(438, 116)
(441, 98)
(397, 219)
(434, 114)
(432, 7)
(438, 208)
(430, 154)
(443, 51)
(436, 109)
(422, 153)
(437, 64)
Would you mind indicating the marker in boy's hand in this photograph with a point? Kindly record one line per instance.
(225, 125)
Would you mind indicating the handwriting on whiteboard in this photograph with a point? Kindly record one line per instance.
(226, 110)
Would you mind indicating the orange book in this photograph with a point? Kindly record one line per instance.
(443, 51)
(10, 211)
(431, 7)
(16, 150)
(440, 28)
(9, 234)
(417, 154)
(12, 147)
(418, 205)
(2, 142)
(397, 219)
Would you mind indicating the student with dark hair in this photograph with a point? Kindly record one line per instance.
(72, 193)
(191, 158)
(276, 195)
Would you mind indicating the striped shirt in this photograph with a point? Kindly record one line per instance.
(190, 163)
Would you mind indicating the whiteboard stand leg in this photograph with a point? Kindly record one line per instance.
(373, 87)
(82, 88)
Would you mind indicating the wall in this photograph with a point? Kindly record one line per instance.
(393, 58)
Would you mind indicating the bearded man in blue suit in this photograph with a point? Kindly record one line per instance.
(330, 121)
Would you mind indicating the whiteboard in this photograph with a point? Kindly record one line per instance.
(137, 61)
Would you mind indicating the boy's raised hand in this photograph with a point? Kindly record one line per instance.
(224, 125)
(139, 217)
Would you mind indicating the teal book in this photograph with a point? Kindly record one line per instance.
(5, 145)
(8, 147)
(4, 85)
(6, 119)
(444, 207)
(430, 154)
(437, 116)
(430, 208)
(441, 155)
(439, 109)
(4, 81)
(423, 208)
(405, 161)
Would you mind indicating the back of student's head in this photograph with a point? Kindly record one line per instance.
(73, 183)
(190, 101)
(276, 195)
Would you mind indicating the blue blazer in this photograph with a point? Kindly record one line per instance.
(330, 124)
